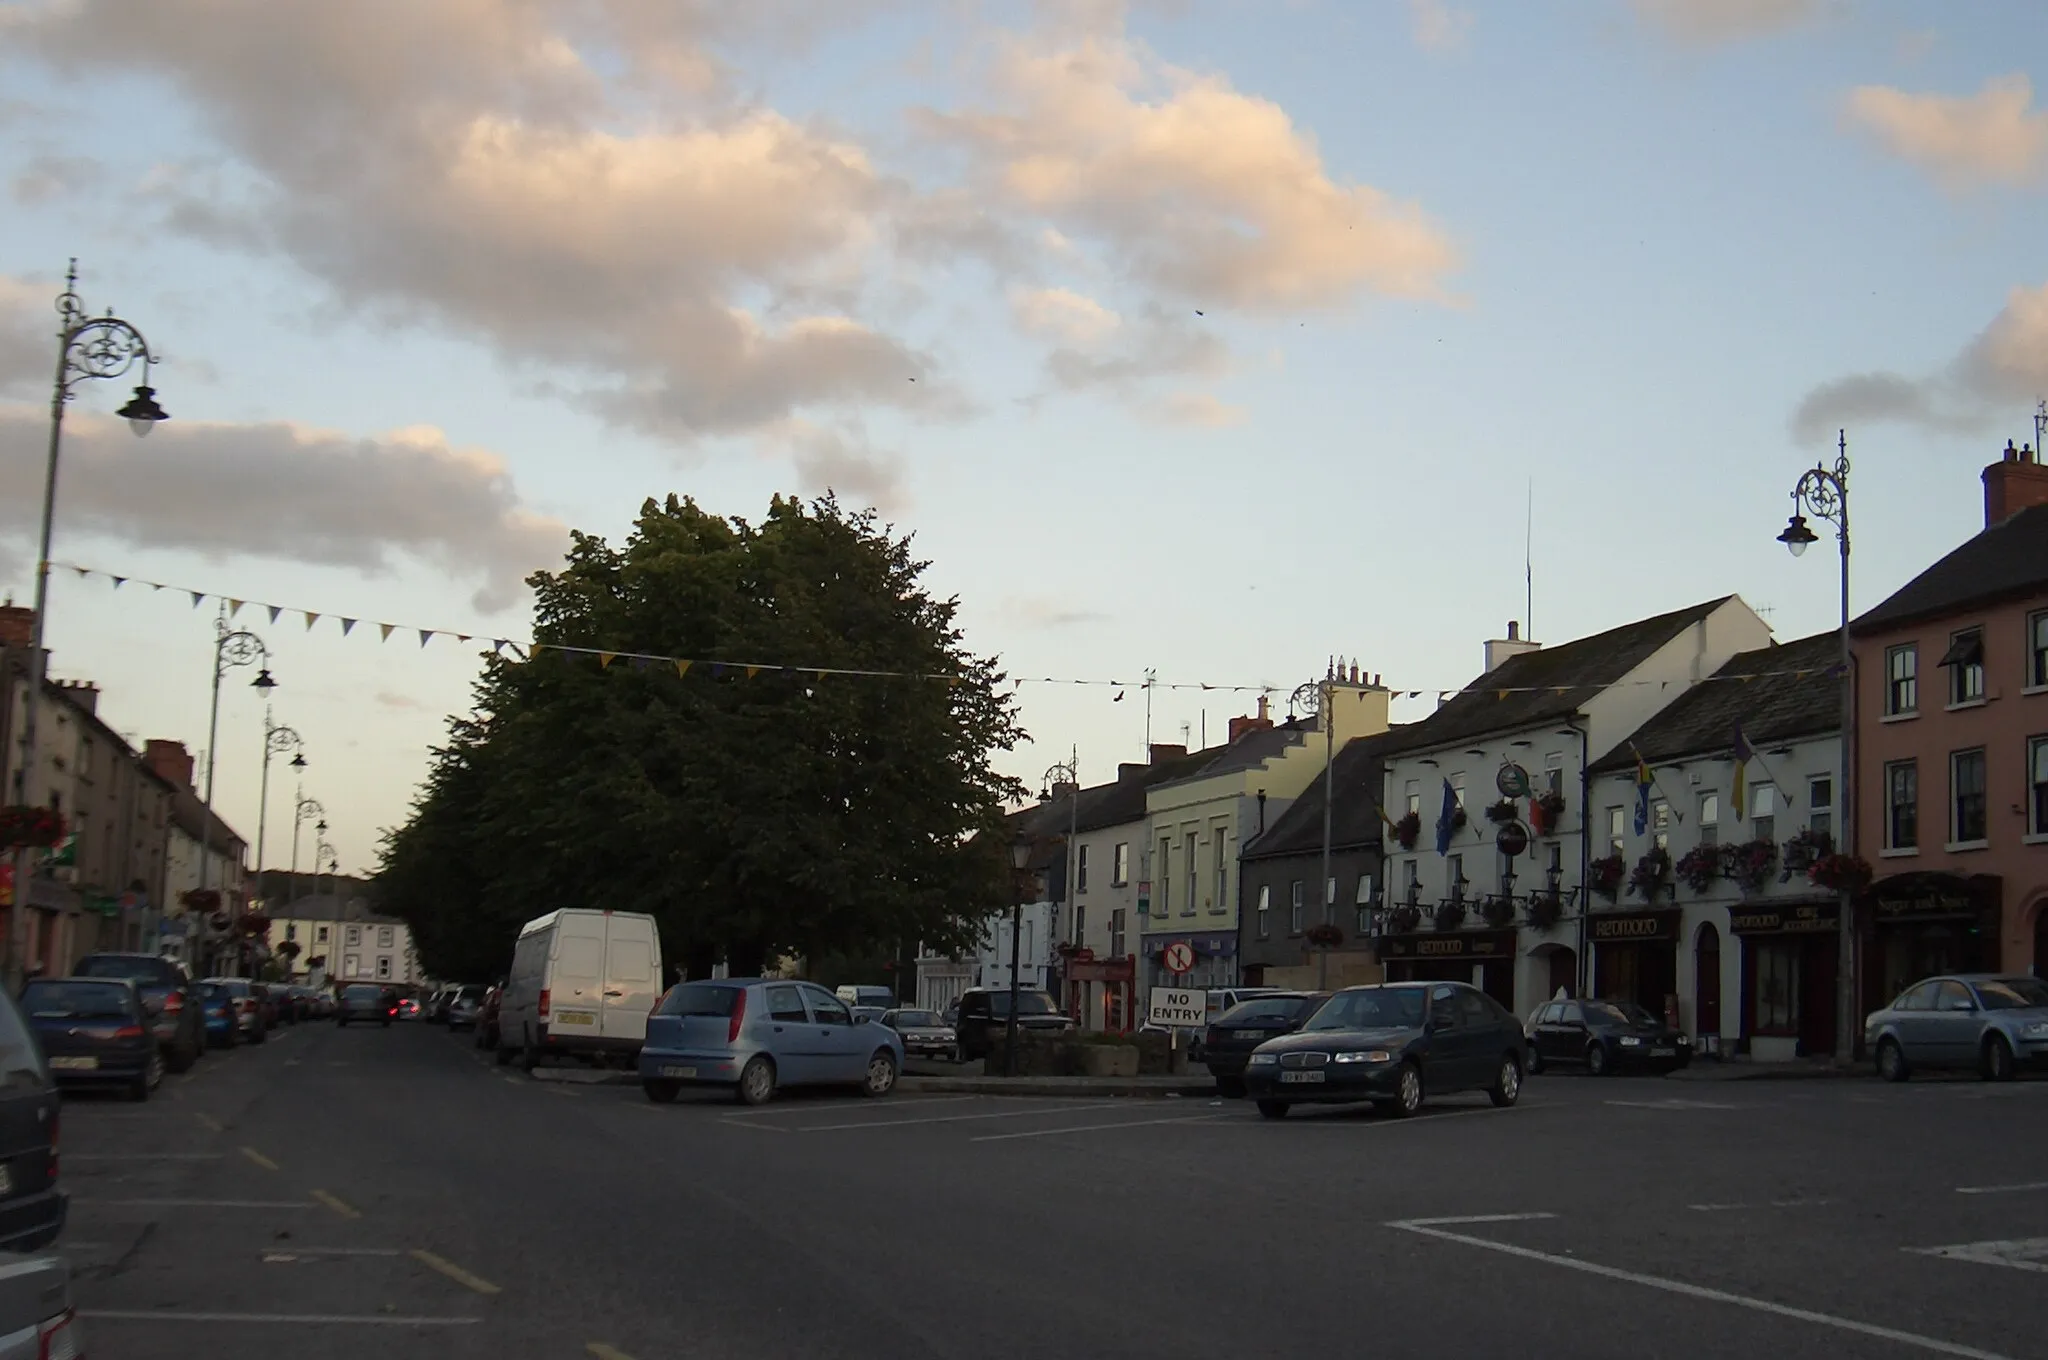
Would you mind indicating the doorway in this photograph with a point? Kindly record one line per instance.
(2041, 941)
(1706, 981)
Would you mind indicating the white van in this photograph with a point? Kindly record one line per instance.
(582, 984)
(856, 996)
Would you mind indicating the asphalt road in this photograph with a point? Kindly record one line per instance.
(346, 1193)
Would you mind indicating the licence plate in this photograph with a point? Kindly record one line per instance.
(1290, 1078)
(683, 1072)
(575, 1018)
(74, 1064)
(1251, 1034)
(1663, 1052)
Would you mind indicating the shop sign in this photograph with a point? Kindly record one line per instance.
(1450, 944)
(1926, 906)
(1804, 918)
(1511, 840)
(1633, 926)
(1512, 781)
(1103, 970)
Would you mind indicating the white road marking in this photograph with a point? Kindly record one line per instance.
(2019, 1253)
(807, 1108)
(341, 1251)
(281, 1319)
(2001, 1189)
(1429, 1228)
(944, 1119)
(1767, 1204)
(142, 1156)
(196, 1203)
(1417, 1224)
(1673, 1104)
(1091, 1128)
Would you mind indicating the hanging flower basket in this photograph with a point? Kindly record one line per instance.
(1605, 876)
(1404, 920)
(1546, 909)
(1700, 866)
(1458, 819)
(1506, 810)
(1408, 830)
(201, 901)
(1449, 915)
(35, 827)
(1498, 910)
(1324, 936)
(1750, 864)
(253, 923)
(1551, 804)
(1841, 873)
(1651, 875)
(1804, 850)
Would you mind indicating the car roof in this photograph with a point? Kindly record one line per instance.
(1399, 986)
(129, 983)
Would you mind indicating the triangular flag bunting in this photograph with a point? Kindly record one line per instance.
(605, 659)
(275, 610)
(311, 619)
(497, 645)
(426, 636)
(120, 581)
(682, 667)
(1501, 694)
(821, 675)
(533, 650)
(753, 671)
(83, 572)
(347, 624)
(462, 637)
(387, 629)
(234, 608)
(196, 597)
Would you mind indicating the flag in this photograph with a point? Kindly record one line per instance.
(1643, 782)
(1444, 819)
(1739, 795)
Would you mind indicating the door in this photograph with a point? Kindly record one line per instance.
(1955, 1025)
(631, 981)
(1706, 981)
(842, 1046)
(1546, 1034)
(576, 976)
(1917, 1026)
(1449, 1064)
(791, 1037)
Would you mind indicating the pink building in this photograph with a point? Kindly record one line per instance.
(1952, 751)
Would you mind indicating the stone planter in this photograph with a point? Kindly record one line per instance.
(1108, 1060)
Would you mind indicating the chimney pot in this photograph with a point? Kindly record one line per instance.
(1160, 751)
(2016, 482)
(1514, 630)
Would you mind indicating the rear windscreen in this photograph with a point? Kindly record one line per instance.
(701, 998)
(148, 972)
(76, 1000)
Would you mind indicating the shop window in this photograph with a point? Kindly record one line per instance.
(1120, 865)
(1902, 805)
(1966, 794)
(1294, 907)
(1902, 680)
(2037, 787)
(1965, 661)
(1266, 912)
(2037, 650)
(1777, 987)
(1820, 805)
(1710, 819)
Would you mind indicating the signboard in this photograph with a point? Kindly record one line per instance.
(1512, 839)
(1103, 970)
(1177, 1009)
(1179, 957)
(1512, 781)
(1623, 927)
(1144, 897)
(1450, 944)
(1802, 918)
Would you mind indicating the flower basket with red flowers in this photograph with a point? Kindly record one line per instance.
(1498, 909)
(1605, 876)
(1841, 873)
(1651, 875)
(1503, 812)
(1408, 830)
(1458, 819)
(1804, 850)
(1404, 920)
(1750, 864)
(253, 923)
(1700, 866)
(35, 827)
(201, 901)
(1324, 936)
(1546, 909)
(1546, 810)
(1449, 915)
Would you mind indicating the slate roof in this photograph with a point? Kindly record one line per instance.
(2008, 559)
(1253, 748)
(1355, 818)
(1773, 707)
(1550, 683)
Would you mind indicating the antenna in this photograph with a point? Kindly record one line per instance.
(1529, 564)
(2040, 428)
(1151, 679)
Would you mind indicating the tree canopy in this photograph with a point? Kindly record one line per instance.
(752, 815)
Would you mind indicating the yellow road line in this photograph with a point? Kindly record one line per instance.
(453, 1272)
(211, 1123)
(604, 1352)
(335, 1204)
(253, 1155)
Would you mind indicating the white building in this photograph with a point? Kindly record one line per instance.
(340, 939)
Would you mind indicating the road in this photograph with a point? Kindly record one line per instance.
(342, 1193)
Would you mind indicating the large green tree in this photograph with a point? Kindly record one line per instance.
(754, 814)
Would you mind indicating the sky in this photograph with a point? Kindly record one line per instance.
(1215, 337)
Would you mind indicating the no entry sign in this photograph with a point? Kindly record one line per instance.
(1180, 957)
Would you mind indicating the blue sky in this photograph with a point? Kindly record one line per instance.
(1241, 331)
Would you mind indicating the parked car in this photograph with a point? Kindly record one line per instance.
(217, 1012)
(1393, 1044)
(434, 1008)
(462, 1007)
(95, 1033)
(32, 1207)
(293, 1002)
(37, 1318)
(1994, 1023)
(248, 1007)
(367, 1003)
(487, 1017)
(985, 1012)
(1231, 1036)
(409, 1008)
(582, 985)
(1604, 1037)
(922, 1032)
(755, 1035)
(168, 993)
(267, 1004)
(856, 997)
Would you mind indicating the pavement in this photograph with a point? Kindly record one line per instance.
(339, 1193)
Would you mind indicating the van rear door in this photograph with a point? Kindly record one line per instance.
(575, 982)
(632, 976)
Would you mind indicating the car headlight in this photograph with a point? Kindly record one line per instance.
(1264, 1059)
(1370, 1055)
(1631, 1041)
(2037, 1030)
(1684, 1042)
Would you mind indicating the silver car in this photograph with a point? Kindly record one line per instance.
(753, 1035)
(36, 1316)
(923, 1032)
(1993, 1022)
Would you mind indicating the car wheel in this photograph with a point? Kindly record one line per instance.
(881, 1076)
(1597, 1062)
(1273, 1109)
(1230, 1088)
(757, 1082)
(152, 1076)
(1997, 1064)
(661, 1092)
(1408, 1091)
(1891, 1061)
(1507, 1083)
(1535, 1065)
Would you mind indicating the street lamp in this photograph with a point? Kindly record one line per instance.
(87, 347)
(303, 809)
(1314, 697)
(1823, 492)
(1069, 773)
(1020, 855)
(277, 740)
(237, 648)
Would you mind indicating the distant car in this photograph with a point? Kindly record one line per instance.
(1605, 1037)
(267, 1004)
(410, 1009)
(755, 1035)
(95, 1033)
(249, 1017)
(434, 1010)
(1393, 1044)
(168, 993)
(462, 1008)
(985, 1012)
(217, 1009)
(1994, 1023)
(1232, 1035)
(368, 1003)
(861, 997)
(923, 1032)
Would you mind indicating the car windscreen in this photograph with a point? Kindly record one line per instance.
(470, 994)
(915, 1020)
(1264, 1008)
(2013, 993)
(701, 998)
(145, 972)
(1382, 1008)
(359, 992)
(1028, 1003)
(1620, 1013)
(76, 1001)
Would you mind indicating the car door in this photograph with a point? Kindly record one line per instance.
(792, 1039)
(630, 987)
(1955, 1023)
(842, 1051)
(1485, 1039)
(1542, 1029)
(1447, 1065)
(1918, 1031)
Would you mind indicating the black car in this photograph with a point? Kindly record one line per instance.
(368, 1002)
(1606, 1037)
(1392, 1044)
(167, 991)
(94, 1033)
(985, 1012)
(1231, 1037)
(32, 1208)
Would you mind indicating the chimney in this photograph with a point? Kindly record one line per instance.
(1241, 725)
(84, 693)
(170, 760)
(1127, 769)
(1160, 752)
(1500, 649)
(2016, 482)
(17, 625)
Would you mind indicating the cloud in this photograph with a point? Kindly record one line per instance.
(2004, 366)
(842, 461)
(1037, 611)
(1710, 22)
(391, 699)
(1993, 136)
(1438, 27)
(1199, 409)
(28, 335)
(49, 176)
(287, 493)
(1154, 347)
(1183, 184)
(1062, 314)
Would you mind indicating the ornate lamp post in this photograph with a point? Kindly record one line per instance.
(304, 809)
(236, 648)
(277, 740)
(1314, 697)
(1020, 856)
(1823, 492)
(1068, 772)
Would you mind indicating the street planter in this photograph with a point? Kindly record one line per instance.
(1841, 873)
(1404, 920)
(1700, 866)
(1604, 876)
(1324, 935)
(1651, 875)
(1449, 915)
(1497, 910)
(1503, 812)
(1750, 864)
(1546, 909)
(23, 827)
(1408, 830)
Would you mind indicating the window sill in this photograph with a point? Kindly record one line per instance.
(2035, 689)
(1958, 847)
(2035, 838)
(1899, 852)
(1907, 716)
(1966, 703)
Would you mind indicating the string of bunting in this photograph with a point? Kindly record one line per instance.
(522, 651)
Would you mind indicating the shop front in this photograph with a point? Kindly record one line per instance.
(1635, 957)
(1791, 955)
(1484, 958)
(1101, 992)
(1920, 924)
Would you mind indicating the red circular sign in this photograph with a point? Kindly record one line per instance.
(1180, 957)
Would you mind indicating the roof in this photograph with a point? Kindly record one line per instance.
(1551, 683)
(189, 814)
(1254, 748)
(1796, 691)
(2010, 558)
(1355, 816)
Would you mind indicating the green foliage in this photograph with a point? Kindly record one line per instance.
(752, 816)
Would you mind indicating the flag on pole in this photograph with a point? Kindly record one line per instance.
(1643, 782)
(1739, 795)
(1445, 819)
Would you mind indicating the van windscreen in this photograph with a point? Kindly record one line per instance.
(701, 998)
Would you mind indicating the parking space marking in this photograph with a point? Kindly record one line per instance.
(339, 1251)
(334, 1203)
(210, 1122)
(1767, 1204)
(2001, 1189)
(2020, 1253)
(142, 1156)
(197, 1203)
(454, 1272)
(282, 1319)
(1673, 1104)
(806, 1107)
(1439, 1228)
(739, 1123)
(944, 1119)
(1091, 1128)
(259, 1159)
(603, 1352)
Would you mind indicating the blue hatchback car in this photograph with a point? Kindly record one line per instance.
(217, 1009)
(754, 1035)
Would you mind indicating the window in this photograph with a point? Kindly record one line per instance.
(1966, 794)
(1820, 805)
(1555, 865)
(1265, 911)
(1553, 771)
(1222, 902)
(1458, 787)
(355, 935)
(1763, 812)
(1615, 842)
(827, 1010)
(1294, 907)
(320, 935)
(1954, 996)
(1901, 679)
(384, 936)
(1364, 904)
(1411, 881)
(383, 965)
(1455, 865)
(1413, 801)
(1710, 818)
(2037, 786)
(1080, 868)
(631, 961)
(1660, 824)
(1116, 933)
(291, 930)
(1163, 880)
(1188, 908)
(787, 1004)
(1917, 998)
(1120, 865)
(1901, 805)
(1965, 661)
(2037, 649)
(1777, 987)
